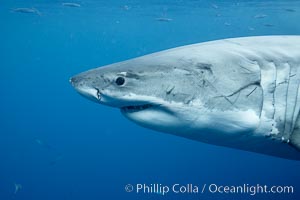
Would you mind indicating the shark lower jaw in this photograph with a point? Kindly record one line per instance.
(154, 116)
(136, 108)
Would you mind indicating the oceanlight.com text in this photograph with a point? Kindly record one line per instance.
(164, 189)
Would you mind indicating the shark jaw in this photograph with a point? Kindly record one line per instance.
(149, 112)
(173, 117)
(154, 116)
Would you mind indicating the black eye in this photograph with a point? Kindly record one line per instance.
(120, 80)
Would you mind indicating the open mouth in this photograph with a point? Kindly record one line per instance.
(136, 108)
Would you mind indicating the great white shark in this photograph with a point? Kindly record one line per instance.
(241, 93)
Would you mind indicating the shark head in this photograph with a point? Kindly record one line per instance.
(145, 94)
(169, 93)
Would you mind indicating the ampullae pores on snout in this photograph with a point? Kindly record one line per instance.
(241, 93)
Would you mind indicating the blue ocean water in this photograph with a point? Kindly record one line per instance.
(54, 144)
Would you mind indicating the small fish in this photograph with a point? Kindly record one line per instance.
(18, 187)
(57, 158)
(290, 10)
(74, 5)
(269, 25)
(215, 6)
(260, 16)
(163, 19)
(40, 142)
(43, 144)
(27, 10)
(251, 28)
(227, 24)
(125, 7)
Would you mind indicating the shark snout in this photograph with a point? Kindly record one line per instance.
(81, 85)
(73, 81)
(77, 82)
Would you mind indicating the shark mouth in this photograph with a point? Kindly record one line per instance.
(136, 108)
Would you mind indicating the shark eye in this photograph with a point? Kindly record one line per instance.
(120, 80)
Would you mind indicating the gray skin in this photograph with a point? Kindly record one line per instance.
(240, 93)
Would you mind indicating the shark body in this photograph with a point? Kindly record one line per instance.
(241, 93)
